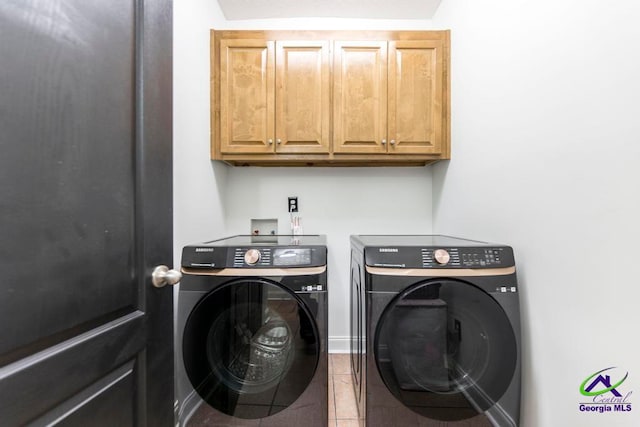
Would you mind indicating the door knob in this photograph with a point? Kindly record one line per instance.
(162, 276)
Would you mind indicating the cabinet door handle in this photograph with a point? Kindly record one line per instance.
(392, 142)
(269, 141)
(384, 142)
(278, 141)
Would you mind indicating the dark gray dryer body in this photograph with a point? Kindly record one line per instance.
(435, 326)
(252, 332)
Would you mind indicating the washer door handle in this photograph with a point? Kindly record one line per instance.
(163, 276)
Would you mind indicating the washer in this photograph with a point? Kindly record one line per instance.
(435, 328)
(252, 332)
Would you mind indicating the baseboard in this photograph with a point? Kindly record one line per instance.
(339, 344)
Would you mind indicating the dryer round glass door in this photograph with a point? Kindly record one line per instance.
(445, 349)
(250, 348)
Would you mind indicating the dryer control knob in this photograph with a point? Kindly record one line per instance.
(252, 256)
(441, 256)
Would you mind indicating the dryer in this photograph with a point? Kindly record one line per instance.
(435, 331)
(252, 332)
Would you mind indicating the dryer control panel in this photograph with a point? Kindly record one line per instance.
(439, 257)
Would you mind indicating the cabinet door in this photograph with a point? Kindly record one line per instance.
(246, 96)
(360, 97)
(302, 97)
(415, 96)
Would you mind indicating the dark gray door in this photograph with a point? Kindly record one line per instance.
(85, 212)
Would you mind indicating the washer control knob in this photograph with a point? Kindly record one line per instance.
(252, 256)
(441, 256)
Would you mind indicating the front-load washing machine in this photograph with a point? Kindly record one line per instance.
(252, 332)
(435, 331)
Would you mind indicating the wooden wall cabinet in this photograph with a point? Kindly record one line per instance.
(360, 97)
(274, 96)
(330, 98)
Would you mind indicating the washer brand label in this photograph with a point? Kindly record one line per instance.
(204, 249)
(387, 249)
(605, 391)
(312, 288)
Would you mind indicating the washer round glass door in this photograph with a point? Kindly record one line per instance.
(445, 349)
(250, 348)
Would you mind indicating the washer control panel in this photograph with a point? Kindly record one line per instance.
(257, 252)
(252, 256)
(276, 257)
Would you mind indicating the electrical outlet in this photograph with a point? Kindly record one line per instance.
(293, 204)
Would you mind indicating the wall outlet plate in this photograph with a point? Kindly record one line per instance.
(293, 204)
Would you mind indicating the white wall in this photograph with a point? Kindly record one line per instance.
(198, 183)
(546, 155)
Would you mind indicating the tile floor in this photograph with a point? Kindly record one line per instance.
(343, 411)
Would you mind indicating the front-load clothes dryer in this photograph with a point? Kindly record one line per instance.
(252, 332)
(435, 331)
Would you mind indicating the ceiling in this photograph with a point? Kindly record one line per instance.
(364, 9)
